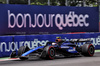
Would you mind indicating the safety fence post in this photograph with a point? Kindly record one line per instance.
(7, 1)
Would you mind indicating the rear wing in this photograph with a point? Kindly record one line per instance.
(79, 40)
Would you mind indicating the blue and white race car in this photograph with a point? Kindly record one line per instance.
(59, 47)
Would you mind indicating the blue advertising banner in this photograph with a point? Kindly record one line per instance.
(6, 46)
(12, 43)
(29, 19)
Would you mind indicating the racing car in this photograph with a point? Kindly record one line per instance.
(59, 47)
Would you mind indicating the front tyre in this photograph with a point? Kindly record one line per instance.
(22, 50)
(51, 53)
(88, 50)
(13, 54)
(48, 53)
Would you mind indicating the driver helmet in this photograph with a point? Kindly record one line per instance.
(58, 39)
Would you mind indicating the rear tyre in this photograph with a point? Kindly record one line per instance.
(88, 50)
(48, 53)
(22, 50)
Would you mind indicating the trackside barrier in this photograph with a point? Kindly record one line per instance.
(12, 43)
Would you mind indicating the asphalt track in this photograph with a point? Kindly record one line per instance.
(59, 61)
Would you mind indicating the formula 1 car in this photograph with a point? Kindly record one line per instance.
(52, 49)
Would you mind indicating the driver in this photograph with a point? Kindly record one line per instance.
(59, 41)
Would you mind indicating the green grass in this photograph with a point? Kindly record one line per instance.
(97, 50)
(4, 58)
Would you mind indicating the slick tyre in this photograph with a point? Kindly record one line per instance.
(13, 54)
(88, 50)
(22, 50)
(48, 53)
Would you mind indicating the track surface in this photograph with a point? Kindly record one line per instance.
(59, 61)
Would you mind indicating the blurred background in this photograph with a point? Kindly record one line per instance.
(80, 3)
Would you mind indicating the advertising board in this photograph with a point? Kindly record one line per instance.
(12, 43)
(32, 19)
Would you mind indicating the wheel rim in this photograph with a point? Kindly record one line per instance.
(52, 52)
(91, 50)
